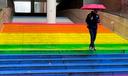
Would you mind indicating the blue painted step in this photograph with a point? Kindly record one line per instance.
(68, 71)
(39, 61)
(40, 56)
(62, 64)
(63, 67)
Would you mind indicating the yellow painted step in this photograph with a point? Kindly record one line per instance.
(59, 38)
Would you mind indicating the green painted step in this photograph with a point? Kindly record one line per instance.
(62, 49)
(63, 52)
(62, 46)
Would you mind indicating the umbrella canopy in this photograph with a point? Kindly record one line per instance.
(93, 7)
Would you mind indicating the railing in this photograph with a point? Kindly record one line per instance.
(5, 15)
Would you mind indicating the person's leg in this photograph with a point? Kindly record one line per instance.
(94, 37)
(91, 37)
(93, 32)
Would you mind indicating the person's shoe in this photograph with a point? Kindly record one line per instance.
(94, 49)
(90, 48)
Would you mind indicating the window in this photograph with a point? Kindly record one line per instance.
(40, 7)
(22, 6)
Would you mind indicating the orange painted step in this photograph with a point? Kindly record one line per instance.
(48, 28)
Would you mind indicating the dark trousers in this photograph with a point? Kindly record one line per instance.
(93, 33)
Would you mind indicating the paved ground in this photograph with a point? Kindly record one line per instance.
(38, 19)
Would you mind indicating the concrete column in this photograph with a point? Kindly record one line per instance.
(51, 11)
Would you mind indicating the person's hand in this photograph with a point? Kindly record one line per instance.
(87, 26)
(99, 24)
(98, 21)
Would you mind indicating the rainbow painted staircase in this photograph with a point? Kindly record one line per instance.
(35, 49)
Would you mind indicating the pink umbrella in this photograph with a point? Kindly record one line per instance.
(93, 7)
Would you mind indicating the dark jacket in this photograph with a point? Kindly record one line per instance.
(92, 20)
